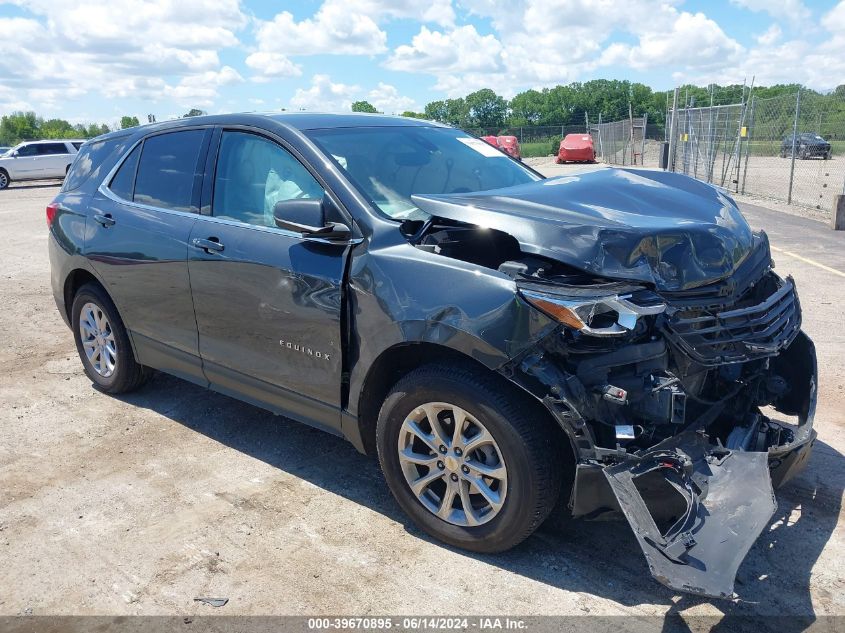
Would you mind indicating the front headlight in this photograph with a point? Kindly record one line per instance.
(604, 315)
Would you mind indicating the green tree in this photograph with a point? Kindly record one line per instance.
(56, 128)
(414, 115)
(527, 108)
(129, 121)
(364, 106)
(17, 127)
(451, 111)
(194, 112)
(485, 108)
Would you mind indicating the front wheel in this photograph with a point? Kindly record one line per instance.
(103, 343)
(4, 179)
(466, 459)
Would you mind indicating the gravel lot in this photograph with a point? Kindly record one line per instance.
(136, 505)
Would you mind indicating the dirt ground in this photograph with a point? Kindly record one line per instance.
(139, 504)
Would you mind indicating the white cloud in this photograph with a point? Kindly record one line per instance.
(325, 96)
(201, 90)
(458, 51)
(386, 98)
(144, 49)
(771, 36)
(790, 10)
(435, 11)
(272, 65)
(332, 30)
(339, 27)
(693, 41)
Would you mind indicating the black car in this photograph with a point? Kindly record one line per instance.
(509, 346)
(806, 145)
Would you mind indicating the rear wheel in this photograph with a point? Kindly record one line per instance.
(467, 460)
(103, 344)
(4, 179)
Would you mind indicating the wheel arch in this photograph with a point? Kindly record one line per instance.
(74, 280)
(395, 362)
(77, 278)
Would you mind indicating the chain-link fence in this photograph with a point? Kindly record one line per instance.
(708, 143)
(620, 142)
(795, 149)
(789, 148)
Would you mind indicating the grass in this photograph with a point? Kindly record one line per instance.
(537, 148)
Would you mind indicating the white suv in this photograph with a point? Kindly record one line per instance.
(37, 160)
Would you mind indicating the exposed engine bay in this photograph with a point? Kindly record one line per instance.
(666, 393)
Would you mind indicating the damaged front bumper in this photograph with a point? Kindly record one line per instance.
(695, 506)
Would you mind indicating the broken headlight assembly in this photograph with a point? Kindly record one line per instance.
(596, 314)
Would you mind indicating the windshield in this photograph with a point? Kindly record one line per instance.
(390, 164)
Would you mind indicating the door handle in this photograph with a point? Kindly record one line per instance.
(212, 244)
(105, 219)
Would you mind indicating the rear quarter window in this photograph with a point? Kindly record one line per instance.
(90, 160)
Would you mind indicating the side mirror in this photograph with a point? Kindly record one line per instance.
(308, 218)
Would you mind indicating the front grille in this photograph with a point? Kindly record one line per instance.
(739, 334)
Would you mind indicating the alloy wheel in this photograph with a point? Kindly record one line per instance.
(98, 339)
(452, 464)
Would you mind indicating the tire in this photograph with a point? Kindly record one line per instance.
(526, 445)
(4, 179)
(123, 373)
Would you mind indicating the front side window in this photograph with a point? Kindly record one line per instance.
(253, 174)
(168, 170)
(27, 150)
(391, 164)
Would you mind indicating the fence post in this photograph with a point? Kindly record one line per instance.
(601, 146)
(711, 152)
(748, 135)
(642, 147)
(670, 166)
(794, 138)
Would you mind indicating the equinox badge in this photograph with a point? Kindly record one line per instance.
(296, 347)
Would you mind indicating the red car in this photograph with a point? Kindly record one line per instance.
(510, 146)
(492, 140)
(576, 148)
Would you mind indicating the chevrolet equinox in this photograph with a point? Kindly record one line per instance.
(510, 346)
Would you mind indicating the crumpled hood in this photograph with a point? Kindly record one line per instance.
(651, 226)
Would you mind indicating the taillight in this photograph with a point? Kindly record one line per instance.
(52, 208)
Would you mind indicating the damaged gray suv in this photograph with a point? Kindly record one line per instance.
(509, 346)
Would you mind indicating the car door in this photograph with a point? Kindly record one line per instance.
(137, 240)
(53, 158)
(25, 162)
(268, 301)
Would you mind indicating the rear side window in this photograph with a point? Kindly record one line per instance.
(49, 149)
(77, 145)
(90, 159)
(123, 183)
(168, 170)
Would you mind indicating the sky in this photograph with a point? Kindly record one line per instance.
(90, 61)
